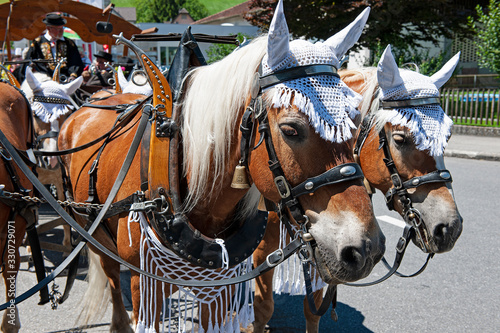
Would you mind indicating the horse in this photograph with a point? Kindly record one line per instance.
(298, 143)
(415, 150)
(16, 124)
(51, 104)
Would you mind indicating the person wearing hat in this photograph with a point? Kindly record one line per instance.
(53, 46)
(99, 74)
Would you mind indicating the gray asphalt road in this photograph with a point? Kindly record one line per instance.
(459, 291)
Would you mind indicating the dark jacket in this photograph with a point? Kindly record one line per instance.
(40, 49)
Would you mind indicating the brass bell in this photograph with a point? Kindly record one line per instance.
(240, 178)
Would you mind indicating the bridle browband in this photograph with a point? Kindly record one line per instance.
(51, 100)
(293, 73)
(404, 103)
(413, 219)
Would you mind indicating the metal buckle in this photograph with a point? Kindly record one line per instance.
(143, 206)
(282, 185)
(276, 262)
(401, 245)
(305, 253)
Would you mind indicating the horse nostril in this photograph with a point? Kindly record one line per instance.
(352, 257)
(441, 233)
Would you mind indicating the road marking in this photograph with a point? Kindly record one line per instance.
(391, 220)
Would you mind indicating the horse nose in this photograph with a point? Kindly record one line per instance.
(353, 258)
(445, 234)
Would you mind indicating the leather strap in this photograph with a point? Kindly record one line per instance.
(341, 173)
(329, 298)
(391, 104)
(296, 73)
(404, 240)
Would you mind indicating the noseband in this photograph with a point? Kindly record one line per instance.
(400, 189)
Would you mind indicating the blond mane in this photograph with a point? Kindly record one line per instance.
(214, 97)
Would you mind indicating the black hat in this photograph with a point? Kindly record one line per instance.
(54, 19)
(105, 55)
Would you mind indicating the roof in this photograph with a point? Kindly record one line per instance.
(236, 11)
(183, 17)
(127, 13)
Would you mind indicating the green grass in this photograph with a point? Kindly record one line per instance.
(213, 6)
(216, 6)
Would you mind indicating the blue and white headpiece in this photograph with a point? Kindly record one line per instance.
(430, 126)
(330, 105)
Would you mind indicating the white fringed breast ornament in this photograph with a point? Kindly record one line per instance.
(180, 311)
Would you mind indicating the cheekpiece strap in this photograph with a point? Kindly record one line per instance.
(409, 102)
(296, 73)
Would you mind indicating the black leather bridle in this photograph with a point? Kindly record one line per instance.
(257, 113)
(415, 226)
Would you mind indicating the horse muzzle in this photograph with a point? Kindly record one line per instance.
(348, 262)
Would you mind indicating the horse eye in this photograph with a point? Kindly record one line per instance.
(288, 130)
(399, 139)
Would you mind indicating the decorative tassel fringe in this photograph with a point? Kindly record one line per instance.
(288, 276)
(434, 139)
(49, 112)
(342, 114)
(181, 311)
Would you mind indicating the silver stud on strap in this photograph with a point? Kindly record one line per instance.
(309, 186)
(348, 170)
(445, 175)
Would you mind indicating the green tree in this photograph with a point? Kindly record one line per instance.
(401, 23)
(163, 11)
(487, 29)
(218, 51)
(412, 59)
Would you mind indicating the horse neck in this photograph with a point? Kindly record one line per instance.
(219, 205)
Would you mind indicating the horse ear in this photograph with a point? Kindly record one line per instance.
(33, 82)
(122, 81)
(388, 71)
(277, 40)
(73, 85)
(347, 37)
(443, 75)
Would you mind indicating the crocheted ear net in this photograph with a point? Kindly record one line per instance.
(326, 100)
(48, 112)
(430, 126)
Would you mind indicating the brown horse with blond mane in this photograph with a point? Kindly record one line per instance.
(414, 155)
(333, 208)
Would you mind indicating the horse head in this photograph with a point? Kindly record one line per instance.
(401, 149)
(303, 113)
(51, 105)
